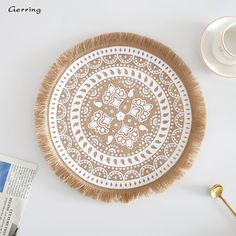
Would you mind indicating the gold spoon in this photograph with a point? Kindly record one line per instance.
(216, 192)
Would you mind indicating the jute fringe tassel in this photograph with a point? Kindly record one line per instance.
(106, 40)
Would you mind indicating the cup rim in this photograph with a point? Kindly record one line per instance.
(223, 42)
(202, 51)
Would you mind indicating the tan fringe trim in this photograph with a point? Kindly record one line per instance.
(106, 40)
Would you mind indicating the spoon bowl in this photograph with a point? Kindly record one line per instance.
(216, 191)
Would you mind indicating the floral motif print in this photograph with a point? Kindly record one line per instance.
(125, 135)
(100, 122)
(114, 96)
(140, 110)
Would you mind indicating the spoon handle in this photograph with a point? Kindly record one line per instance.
(229, 207)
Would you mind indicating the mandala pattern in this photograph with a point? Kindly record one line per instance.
(101, 122)
(119, 117)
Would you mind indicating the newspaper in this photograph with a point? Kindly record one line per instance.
(16, 178)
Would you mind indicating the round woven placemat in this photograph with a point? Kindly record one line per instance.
(119, 116)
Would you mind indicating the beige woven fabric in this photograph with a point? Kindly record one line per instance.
(114, 117)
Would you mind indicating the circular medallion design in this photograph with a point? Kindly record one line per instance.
(119, 117)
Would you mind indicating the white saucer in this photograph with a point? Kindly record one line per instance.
(211, 32)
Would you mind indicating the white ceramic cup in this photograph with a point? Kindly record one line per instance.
(224, 46)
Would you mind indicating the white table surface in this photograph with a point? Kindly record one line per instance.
(30, 43)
